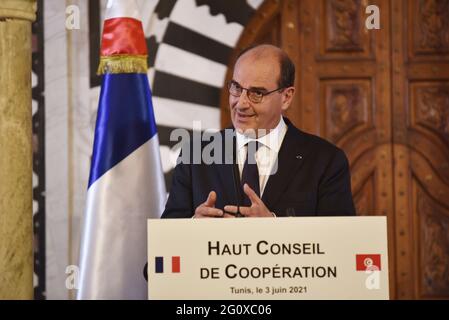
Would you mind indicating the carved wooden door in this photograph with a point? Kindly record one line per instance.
(383, 97)
(420, 104)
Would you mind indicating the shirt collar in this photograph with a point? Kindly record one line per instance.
(272, 140)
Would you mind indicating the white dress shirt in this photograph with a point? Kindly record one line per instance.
(266, 155)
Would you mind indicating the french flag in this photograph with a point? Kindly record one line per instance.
(175, 264)
(126, 183)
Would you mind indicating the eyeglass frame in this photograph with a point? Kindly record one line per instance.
(251, 90)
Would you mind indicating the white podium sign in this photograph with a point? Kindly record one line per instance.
(268, 258)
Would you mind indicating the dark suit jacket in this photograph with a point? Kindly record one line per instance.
(313, 179)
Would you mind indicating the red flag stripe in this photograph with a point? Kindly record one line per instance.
(176, 264)
(123, 36)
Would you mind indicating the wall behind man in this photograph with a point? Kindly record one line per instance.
(189, 44)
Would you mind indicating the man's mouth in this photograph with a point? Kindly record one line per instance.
(244, 115)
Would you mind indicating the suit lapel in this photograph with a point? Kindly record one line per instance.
(291, 157)
(229, 177)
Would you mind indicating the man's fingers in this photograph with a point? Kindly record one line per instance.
(245, 211)
(208, 212)
(234, 209)
(211, 198)
(251, 194)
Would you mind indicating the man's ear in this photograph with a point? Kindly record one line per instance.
(287, 97)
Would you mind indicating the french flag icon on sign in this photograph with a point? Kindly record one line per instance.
(175, 264)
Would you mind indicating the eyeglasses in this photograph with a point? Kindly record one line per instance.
(254, 95)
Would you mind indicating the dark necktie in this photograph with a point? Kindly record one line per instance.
(250, 173)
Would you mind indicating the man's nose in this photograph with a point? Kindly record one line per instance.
(244, 101)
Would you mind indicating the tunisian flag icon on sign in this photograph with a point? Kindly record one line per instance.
(367, 262)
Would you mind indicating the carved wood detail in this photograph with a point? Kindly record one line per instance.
(434, 247)
(344, 25)
(346, 107)
(435, 152)
(364, 199)
(433, 26)
(383, 97)
(431, 108)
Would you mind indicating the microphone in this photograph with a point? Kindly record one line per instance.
(145, 271)
(236, 181)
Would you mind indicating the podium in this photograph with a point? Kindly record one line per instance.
(268, 258)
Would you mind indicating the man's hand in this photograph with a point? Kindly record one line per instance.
(257, 209)
(207, 208)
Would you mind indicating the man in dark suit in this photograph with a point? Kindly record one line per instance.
(272, 169)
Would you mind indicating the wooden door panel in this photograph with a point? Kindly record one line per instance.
(427, 32)
(342, 88)
(431, 221)
(429, 114)
(364, 199)
(342, 32)
(346, 109)
(420, 72)
(346, 98)
(430, 225)
(371, 184)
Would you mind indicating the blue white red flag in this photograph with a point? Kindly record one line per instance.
(126, 183)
